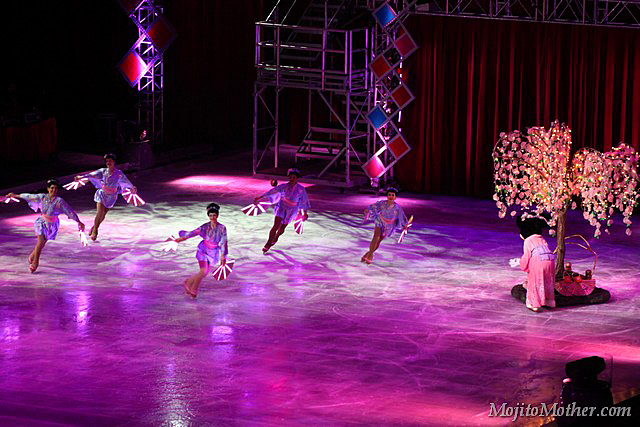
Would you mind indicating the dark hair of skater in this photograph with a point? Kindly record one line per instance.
(392, 190)
(51, 182)
(531, 225)
(110, 156)
(213, 208)
(293, 171)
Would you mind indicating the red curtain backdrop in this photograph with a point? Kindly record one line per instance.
(31, 142)
(475, 78)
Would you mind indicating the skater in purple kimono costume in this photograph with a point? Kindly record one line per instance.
(388, 216)
(213, 248)
(539, 262)
(110, 182)
(289, 199)
(47, 225)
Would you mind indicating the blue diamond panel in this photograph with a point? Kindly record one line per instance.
(384, 15)
(377, 117)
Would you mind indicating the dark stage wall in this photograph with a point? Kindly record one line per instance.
(472, 79)
(63, 55)
(210, 72)
(476, 78)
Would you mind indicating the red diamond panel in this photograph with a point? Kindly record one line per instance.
(402, 96)
(161, 33)
(379, 66)
(405, 45)
(399, 147)
(132, 68)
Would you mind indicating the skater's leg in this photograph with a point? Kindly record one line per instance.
(101, 213)
(193, 283)
(279, 233)
(34, 258)
(273, 234)
(374, 245)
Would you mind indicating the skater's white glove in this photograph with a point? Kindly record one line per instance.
(514, 262)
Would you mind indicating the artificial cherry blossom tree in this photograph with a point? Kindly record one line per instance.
(538, 173)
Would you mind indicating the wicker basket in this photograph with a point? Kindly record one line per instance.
(576, 284)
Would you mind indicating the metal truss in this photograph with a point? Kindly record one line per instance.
(143, 65)
(585, 12)
(150, 86)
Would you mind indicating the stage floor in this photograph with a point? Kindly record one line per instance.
(428, 335)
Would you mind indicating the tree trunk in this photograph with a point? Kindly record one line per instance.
(560, 233)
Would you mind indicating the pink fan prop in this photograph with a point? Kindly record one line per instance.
(84, 240)
(74, 185)
(223, 271)
(255, 209)
(298, 223)
(170, 245)
(405, 230)
(132, 197)
(10, 199)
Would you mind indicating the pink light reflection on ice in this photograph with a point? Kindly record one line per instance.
(28, 220)
(225, 184)
(81, 315)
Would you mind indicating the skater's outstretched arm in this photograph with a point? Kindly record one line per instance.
(71, 214)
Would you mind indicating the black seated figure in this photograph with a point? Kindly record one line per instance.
(584, 389)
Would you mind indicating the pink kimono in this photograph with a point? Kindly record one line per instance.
(539, 262)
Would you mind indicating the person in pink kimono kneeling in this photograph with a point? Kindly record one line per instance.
(539, 262)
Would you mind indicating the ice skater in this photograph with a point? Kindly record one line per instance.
(387, 216)
(109, 182)
(539, 262)
(290, 200)
(50, 206)
(213, 248)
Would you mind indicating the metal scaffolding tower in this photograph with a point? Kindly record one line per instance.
(326, 54)
(329, 50)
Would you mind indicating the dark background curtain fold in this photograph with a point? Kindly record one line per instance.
(475, 78)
